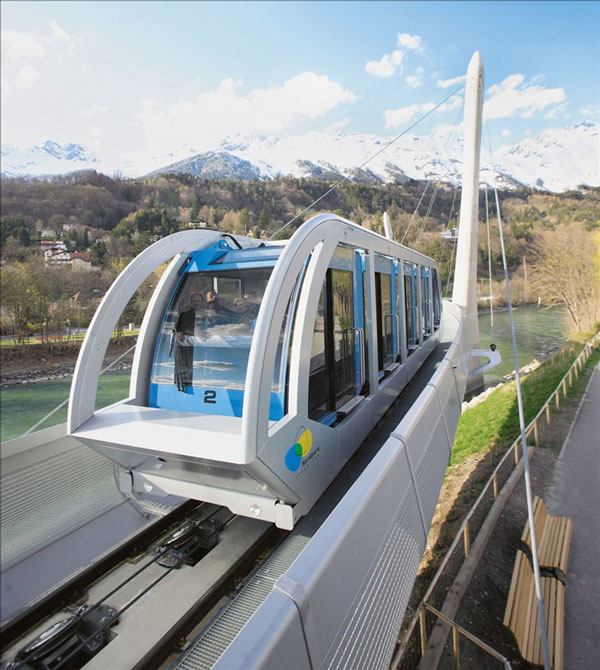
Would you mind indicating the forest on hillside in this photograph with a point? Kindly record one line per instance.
(114, 219)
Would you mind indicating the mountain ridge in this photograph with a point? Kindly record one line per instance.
(555, 160)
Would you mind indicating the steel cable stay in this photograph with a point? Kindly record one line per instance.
(455, 191)
(452, 265)
(491, 296)
(84, 611)
(526, 475)
(437, 186)
(366, 162)
(66, 400)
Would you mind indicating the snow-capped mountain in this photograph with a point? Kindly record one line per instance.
(47, 159)
(555, 160)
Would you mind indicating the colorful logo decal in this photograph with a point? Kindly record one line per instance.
(299, 450)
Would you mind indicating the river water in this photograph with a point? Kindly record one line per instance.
(538, 332)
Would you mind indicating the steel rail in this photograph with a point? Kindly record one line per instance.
(71, 589)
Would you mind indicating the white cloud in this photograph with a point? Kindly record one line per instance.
(224, 111)
(387, 66)
(395, 118)
(445, 130)
(454, 102)
(590, 111)
(447, 83)
(336, 126)
(505, 133)
(514, 98)
(19, 46)
(410, 42)
(416, 80)
(25, 76)
(21, 49)
(93, 109)
(557, 111)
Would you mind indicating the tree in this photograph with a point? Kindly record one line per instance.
(15, 228)
(567, 273)
(244, 219)
(98, 253)
(195, 210)
(263, 221)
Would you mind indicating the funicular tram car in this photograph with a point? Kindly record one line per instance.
(261, 367)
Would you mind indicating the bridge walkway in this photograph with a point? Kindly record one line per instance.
(575, 493)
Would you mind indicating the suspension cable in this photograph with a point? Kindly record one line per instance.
(452, 267)
(487, 222)
(530, 514)
(362, 165)
(437, 185)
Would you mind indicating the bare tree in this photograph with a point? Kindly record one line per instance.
(567, 273)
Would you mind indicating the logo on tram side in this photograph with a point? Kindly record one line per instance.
(299, 450)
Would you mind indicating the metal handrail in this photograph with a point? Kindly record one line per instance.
(473, 638)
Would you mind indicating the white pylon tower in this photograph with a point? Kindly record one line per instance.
(464, 292)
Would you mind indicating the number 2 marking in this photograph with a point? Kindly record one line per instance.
(210, 397)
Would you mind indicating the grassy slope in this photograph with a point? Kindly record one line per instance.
(495, 422)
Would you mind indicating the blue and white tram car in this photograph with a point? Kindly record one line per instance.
(260, 367)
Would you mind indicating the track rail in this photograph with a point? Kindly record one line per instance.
(71, 590)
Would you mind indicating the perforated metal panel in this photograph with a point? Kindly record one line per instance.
(430, 471)
(217, 637)
(368, 638)
(46, 500)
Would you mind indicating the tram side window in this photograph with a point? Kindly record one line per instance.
(435, 289)
(319, 402)
(410, 306)
(332, 362)
(385, 317)
(425, 302)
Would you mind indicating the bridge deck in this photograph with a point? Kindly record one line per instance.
(575, 493)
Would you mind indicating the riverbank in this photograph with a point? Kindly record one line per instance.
(33, 365)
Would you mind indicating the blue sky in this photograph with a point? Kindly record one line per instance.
(145, 77)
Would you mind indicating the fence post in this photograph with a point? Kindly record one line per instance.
(455, 647)
(466, 538)
(535, 434)
(548, 412)
(516, 447)
(495, 483)
(557, 398)
(423, 629)
(564, 385)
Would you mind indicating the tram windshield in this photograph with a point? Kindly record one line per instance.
(206, 336)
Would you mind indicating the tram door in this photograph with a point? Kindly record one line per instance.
(388, 349)
(410, 306)
(435, 292)
(337, 369)
(426, 302)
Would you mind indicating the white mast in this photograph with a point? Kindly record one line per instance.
(464, 293)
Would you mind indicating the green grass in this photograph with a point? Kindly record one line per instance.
(495, 422)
